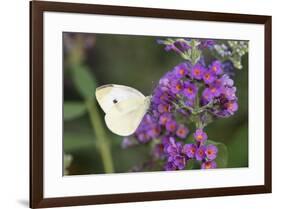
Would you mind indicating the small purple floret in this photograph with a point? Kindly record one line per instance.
(181, 70)
(211, 152)
(209, 77)
(197, 71)
(200, 136)
(171, 126)
(189, 150)
(190, 90)
(216, 67)
(182, 131)
(200, 153)
(209, 165)
(176, 86)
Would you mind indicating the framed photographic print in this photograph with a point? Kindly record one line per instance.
(138, 104)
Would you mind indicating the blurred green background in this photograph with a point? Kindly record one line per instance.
(91, 60)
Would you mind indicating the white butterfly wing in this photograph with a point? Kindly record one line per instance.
(108, 95)
(124, 107)
(124, 118)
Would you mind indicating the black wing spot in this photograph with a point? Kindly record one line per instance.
(115, 101)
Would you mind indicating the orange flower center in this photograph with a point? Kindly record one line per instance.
(156, 130)
(163, 96)
(189, 90)
(200, 137)
(178, 87)
(197, 72)
(214, 68)
(209, 152)
(208, 165)
(164, 119)
(181, 71)
(213, 90)
(229, 106)
(192, 150)
(172, 126)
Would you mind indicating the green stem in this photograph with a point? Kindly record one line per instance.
(103, 142)
(197, 106)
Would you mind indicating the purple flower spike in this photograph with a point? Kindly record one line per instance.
(200, 153)
(211, 152)
(171, 126)
(189, 150)
(174, 105)
(182, 131)
(209, 165)
(197, 71)
(190, 90)
(209, 77)
(200, 136)
(216, 67)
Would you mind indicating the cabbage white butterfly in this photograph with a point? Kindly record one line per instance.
(124, 107)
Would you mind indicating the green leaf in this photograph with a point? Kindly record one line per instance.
(222, 156)
(84, 81)
(72, 110)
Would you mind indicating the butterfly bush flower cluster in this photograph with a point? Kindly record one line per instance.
(186, 99)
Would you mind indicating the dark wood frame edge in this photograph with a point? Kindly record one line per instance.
(37, 8)
(36, 105)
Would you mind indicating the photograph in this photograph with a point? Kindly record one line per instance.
(135, 103)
